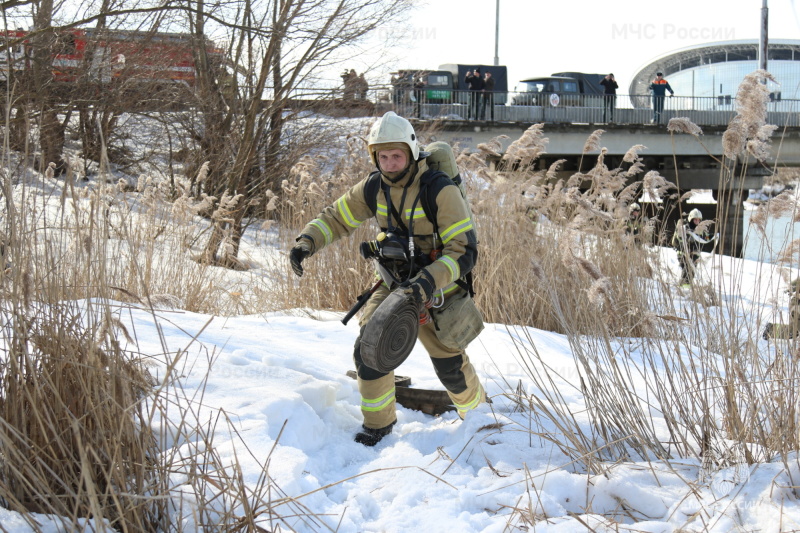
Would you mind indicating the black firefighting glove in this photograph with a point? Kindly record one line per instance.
(300, 251)
(421, 287)
(767, 331)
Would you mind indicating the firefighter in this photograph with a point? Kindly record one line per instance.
(393, 148)
(635, 223)
(688, 241)
(787, 331)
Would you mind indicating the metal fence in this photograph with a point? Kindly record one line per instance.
(589, 109)
(565, 108)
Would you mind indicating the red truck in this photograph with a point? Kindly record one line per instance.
(116, 56)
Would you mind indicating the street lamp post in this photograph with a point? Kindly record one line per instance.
(497, 33)
(762, 43)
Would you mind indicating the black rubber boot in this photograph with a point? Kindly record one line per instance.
(371, 437)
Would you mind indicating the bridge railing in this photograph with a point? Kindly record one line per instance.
(429, 103)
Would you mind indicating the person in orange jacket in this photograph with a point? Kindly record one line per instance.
(659, 86)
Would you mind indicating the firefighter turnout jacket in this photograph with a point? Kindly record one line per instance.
(457, 238)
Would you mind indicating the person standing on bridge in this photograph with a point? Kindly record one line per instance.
(609, 96)
(350, 81)
(488, 96)
(476, 85)
(659, 87)
(433, 265)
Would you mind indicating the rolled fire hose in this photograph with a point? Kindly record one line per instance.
(390, 334)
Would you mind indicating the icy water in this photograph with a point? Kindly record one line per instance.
(779, 233)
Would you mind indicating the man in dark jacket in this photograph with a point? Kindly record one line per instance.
(475, 82)
(609, 96)
(451, 247)
(659, 86)
(488, 96)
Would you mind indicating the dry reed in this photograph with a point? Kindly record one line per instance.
(687, 359)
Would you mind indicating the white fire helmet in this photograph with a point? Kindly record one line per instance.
(392, 128)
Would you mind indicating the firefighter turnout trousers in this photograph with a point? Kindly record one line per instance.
(453, 368)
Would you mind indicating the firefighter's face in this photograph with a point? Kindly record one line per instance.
(392, 160)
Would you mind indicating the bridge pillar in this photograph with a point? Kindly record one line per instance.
(730, 219)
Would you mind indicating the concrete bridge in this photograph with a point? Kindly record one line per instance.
(688, 162)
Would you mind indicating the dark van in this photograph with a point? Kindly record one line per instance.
(555, 91)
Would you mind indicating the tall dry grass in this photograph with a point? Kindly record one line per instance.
(84, 426)
(90, 431)
(693, 378)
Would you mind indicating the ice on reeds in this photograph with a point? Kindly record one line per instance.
(576, 180)
(683, 125)
(632, 155)
(528, 147)
(227, 205)
(305, 166)
(202, 174)
(734, 137)
(205, 205)
(565, 247)
(759, 146)
(655, 185)
(628, 195)
(748, 131)
(493, 147)
(635, 168)
(599, 293)
(552, 172)
(592, 144)
(705, 225)
(600, 167)
(574, 197)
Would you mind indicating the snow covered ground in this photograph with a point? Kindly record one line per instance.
(281, 380)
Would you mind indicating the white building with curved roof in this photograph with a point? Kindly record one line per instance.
(715, 70)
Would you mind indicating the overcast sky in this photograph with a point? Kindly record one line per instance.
(538, 38)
